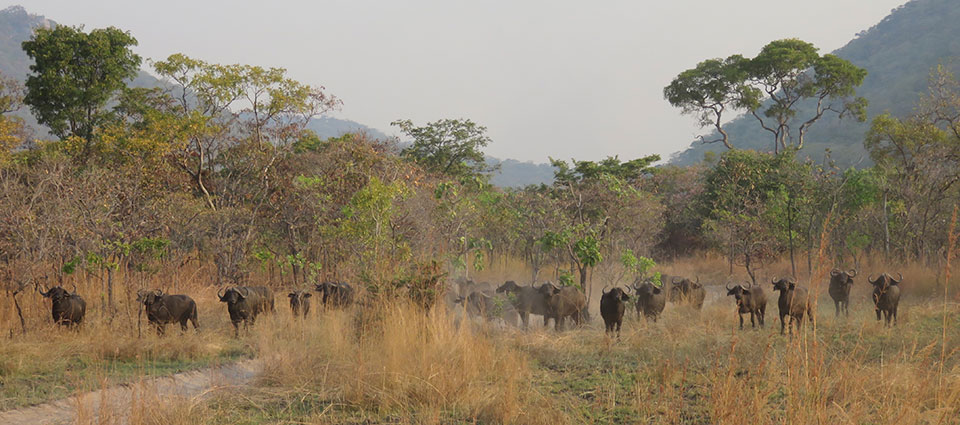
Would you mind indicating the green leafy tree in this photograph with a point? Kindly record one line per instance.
(774, 87)
(710, 90)
(452, 147)
(75, 76)
(790, 72)
(11, 127)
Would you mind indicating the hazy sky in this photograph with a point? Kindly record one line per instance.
(566, 79)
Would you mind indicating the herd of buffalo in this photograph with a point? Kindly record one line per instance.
(511, 301)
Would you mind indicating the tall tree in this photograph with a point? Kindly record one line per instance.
(789, 78)
(790, 72)
(11, 127)
(710, 90)
(451, 147)
(75, 76)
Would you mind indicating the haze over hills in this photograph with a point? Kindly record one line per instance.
(898, 54)
(17, 24)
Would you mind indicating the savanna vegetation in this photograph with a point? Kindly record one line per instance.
(213, 180)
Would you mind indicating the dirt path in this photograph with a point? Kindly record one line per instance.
(116, 401)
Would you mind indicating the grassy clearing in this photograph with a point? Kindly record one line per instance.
(49, 363)
(394, 364)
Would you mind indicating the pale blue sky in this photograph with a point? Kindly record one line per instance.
(548, 78)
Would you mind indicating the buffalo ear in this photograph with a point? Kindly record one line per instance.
(746, 291)
(624, 296)
(556, 290)
(656, 290)
(793, 285)
(291, 295)
(307, 295)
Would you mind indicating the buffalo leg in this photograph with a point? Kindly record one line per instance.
(619, 324)
(741, 320)
(895, 315)
(878, 314)
(783, 323)
(753, 322)
(836, 304)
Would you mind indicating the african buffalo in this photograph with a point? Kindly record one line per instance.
(686, 291)
(886, 296)
(300, 302)
(840, 283)
(526, 300)
(651, 299)
(793, 302)
(244, 303)
(487, 307)
(68, 308)
(750, 299)
(564, 302)
(612, 305)
(336, 294)
(163, 309)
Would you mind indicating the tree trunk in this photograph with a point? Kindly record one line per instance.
(886, 229)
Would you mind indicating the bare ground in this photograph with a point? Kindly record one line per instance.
(115, 402)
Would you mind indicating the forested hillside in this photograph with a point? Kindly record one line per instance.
(898, 54)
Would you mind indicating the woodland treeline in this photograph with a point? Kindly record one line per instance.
(217, 167)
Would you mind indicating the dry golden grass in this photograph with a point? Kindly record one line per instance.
(393, 363)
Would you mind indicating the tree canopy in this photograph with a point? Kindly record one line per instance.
(74, 77)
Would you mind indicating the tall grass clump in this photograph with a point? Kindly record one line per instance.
(396, 357)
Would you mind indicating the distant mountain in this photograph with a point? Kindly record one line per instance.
(17, 25)
(898, 54)
(518, 174)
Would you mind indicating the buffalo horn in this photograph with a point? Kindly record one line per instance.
(244, 291)
(674, 280)
(728, 287)
(220, 293)
(871, 279)
(604, 291)
(898, 280)
(852, 272)
(834, 272)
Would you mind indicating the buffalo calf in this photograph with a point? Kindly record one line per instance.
(612, 305)
(750, 299)
(886, 296)
(300, 302)
(163, 309)
(793, 302)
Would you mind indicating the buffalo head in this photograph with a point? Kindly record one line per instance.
(884, 280)
(783, 284)
(233, 295)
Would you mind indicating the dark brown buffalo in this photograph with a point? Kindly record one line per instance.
(793, 302)
(245, 303)
(750, 299)
(526, 300)
(840, 284)
(612, 305)
(335, 294)
(163, 309)
(886, 296)
(564, 302)
(651, 299)
(686, 291)
(300, 302)
(67, 308)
